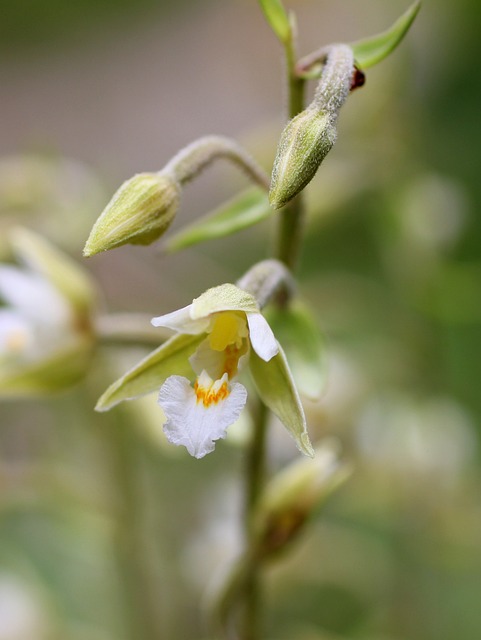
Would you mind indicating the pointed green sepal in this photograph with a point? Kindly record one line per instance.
(60, 371)
(64, 274)
(225, 297)
(241, 212)
(277, 391)
(171, 358)
(298, 332)
(372, 50)
(278, 19)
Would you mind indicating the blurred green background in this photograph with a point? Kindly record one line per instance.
(105, 531)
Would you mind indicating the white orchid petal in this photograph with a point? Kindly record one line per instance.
(16, 333)
(33, 296)
(206, 359)
(191, 423)
(181, 321)
(262, 339)
(216, 363)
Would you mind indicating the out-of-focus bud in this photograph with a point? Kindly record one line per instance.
(292, 496)
(304, 143)
(140, 211)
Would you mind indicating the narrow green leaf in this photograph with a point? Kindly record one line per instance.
(372, 50)
(277, 18)
(247, 209)
(171, 358)
(298, 332)
(277, 391)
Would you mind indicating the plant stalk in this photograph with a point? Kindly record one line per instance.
(291, 217)
(255, 472)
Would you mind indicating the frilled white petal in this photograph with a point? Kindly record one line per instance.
(33, 296)
(262, 339)
(193, 424)
(181, 321)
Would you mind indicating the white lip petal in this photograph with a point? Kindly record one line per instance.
(262, 339)
(181, 321)
(190, 423)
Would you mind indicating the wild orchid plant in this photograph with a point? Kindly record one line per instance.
(221, 334)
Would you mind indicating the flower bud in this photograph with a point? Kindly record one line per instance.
(304, 144)
(308, 138)
(292, 496)
(139, 213)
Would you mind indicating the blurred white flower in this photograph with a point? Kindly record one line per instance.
(36, 320)
(46, 336)
(21, 615)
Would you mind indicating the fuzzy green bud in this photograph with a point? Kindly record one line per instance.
(305, 142)
(309, 136)
(140, 211)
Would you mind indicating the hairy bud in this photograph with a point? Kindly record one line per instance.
(140, 211)
(309, 136)
(305, 142)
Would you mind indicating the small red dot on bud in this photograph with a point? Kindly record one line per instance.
(358, 79)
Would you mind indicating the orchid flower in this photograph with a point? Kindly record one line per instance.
(222, 332)
(35, 317)
(45, 341)
(231, 323)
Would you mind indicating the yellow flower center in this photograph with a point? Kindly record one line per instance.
(227, 328)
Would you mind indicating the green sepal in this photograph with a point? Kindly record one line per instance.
(56, 373)
(370, 51)
(225, 297)
(278, 392)
(298, 332)
(171, 358)
(241, 212)
(278, 19)
(64, 274)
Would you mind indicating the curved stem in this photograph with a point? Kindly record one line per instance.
(193, 158)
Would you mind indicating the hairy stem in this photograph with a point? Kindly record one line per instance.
(292, 215)
(191, 160)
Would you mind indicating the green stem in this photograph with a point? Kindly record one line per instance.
(291, 216)
(130, 328)
(255, 472)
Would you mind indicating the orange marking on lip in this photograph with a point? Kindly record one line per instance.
(209, 397)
